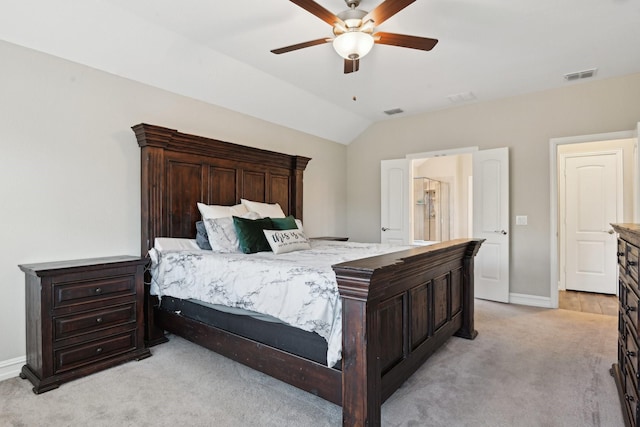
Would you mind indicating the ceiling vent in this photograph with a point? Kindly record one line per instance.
(394, 111)
(580, 75)
(462, 97)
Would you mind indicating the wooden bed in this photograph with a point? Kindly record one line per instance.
(397, 308)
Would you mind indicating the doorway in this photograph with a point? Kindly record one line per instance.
(591, 197)
(489, 209)
(581, 147)
(479, 207)
(440, 198)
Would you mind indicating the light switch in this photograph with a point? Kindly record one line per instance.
(521, 220)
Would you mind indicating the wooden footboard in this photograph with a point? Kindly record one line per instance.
(397, 309)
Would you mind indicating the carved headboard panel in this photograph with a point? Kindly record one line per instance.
(178, 170)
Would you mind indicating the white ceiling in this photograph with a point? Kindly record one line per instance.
(218, 51)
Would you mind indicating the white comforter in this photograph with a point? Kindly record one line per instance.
(299, 288)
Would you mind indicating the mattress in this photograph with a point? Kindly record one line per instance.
(298, 288)
(256, 326)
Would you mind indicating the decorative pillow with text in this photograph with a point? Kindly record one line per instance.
(283, 241)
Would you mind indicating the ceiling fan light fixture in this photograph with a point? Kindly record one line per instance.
(353, 44)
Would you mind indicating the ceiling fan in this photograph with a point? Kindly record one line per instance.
(354, 30)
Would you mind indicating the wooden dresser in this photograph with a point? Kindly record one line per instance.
(82, 316)
(627, 369)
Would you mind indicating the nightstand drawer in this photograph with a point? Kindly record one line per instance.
(74, 357)
(90, 290)
(91, 321)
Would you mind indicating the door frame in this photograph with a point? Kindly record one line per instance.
(562, 231)
(431, 154)
(553, 192)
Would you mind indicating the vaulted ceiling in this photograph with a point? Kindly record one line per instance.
(218, 51)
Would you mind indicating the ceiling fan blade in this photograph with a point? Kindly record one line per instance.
(319, 11)
(386, 10)
(413, 42)
(351, 65)
(300, 46)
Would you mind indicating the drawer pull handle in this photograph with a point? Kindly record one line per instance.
(631, 353)
(98, 290)
(98, 350)
(99, 320)
(620, 253)
(632, 263)
(629, 398)
(629, 309)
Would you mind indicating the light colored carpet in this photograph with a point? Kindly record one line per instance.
(527, 367)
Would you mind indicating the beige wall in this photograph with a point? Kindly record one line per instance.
(525, 124)
(70, 173)
(69, 163)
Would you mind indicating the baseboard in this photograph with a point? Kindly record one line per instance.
(532, 300)
(11, 368)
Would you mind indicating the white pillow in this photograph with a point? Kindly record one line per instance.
(299, 224)
(175, 244)
(222, 233)
(264, 209)
(219, 211)
(283, 241)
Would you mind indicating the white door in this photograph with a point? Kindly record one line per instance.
(395, 215)
(491, 222)
(593, 200)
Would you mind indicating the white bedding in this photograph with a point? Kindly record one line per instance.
(299, 288)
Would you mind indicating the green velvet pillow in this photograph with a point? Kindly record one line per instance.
(288, 223)
(250, 235)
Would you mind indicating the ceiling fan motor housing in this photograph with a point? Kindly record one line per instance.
(352, 19)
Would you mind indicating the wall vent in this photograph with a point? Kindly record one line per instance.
(580, 75)
(394, 111)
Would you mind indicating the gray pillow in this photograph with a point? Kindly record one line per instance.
(202, 240)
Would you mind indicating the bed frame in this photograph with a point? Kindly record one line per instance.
(397, 308)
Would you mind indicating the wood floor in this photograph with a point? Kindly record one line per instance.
(588, 302)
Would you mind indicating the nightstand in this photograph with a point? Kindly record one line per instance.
(82, 316)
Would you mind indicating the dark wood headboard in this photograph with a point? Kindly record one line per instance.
(178, 170)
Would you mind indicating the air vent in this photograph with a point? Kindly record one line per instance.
(580, 75)
(394, 111)
(462, 97)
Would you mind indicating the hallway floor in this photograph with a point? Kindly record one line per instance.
(588, 302)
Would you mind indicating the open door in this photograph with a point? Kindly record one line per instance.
(491, 222)
(395, 214)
